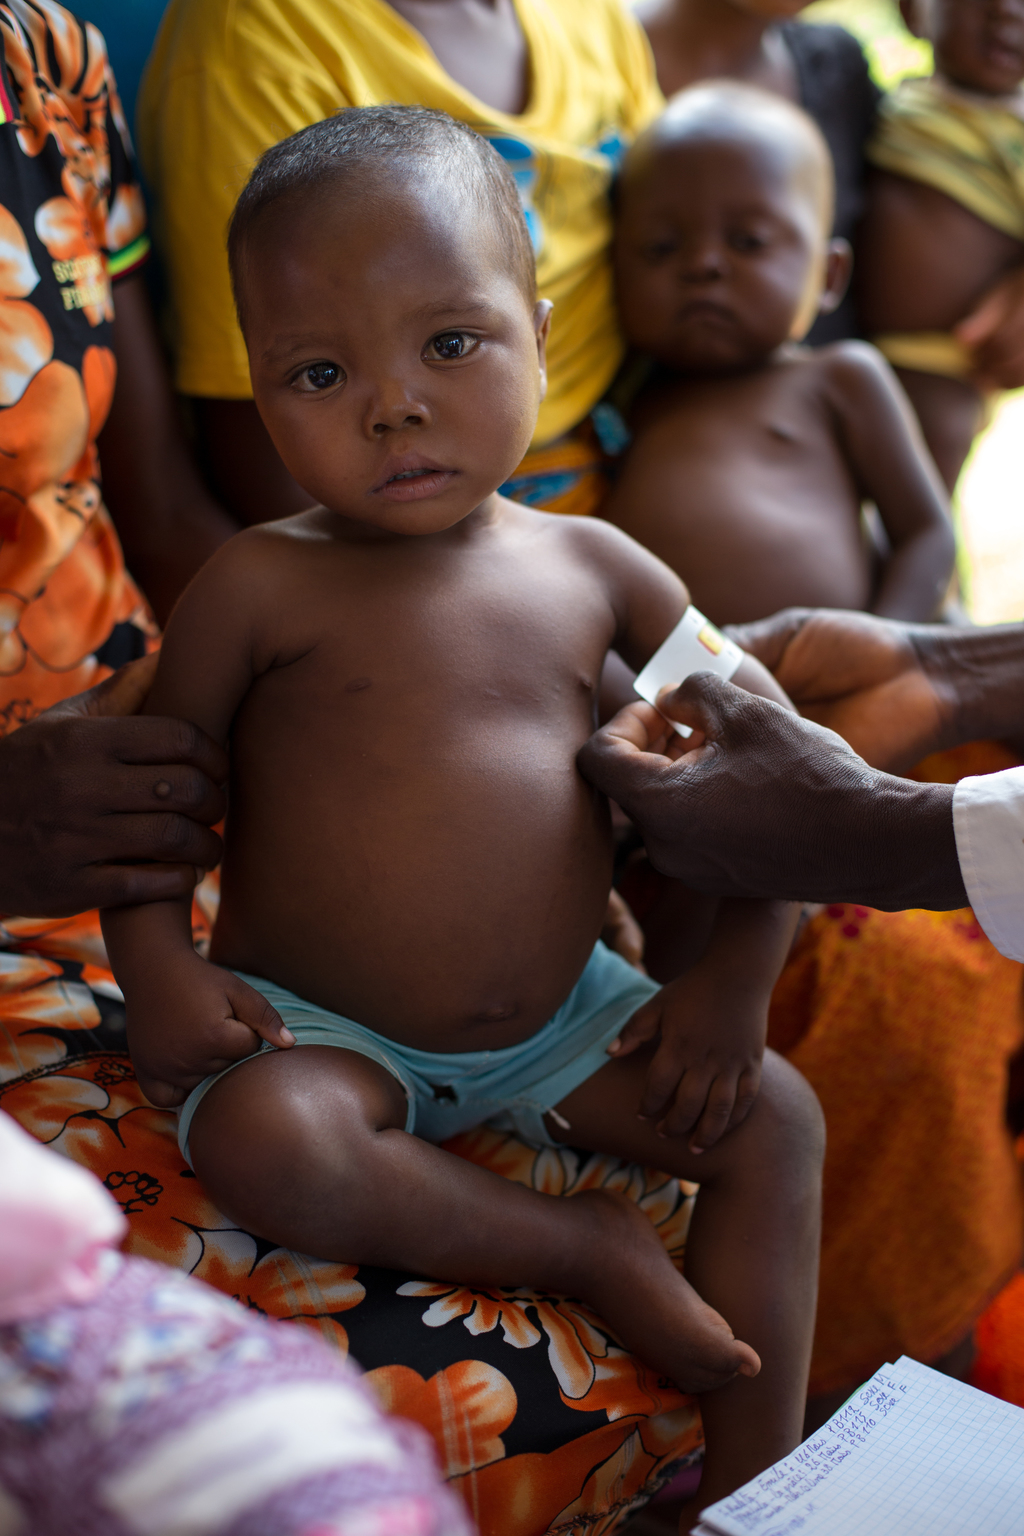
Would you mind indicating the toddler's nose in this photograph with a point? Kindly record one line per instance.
(392, 423)
(393, 406)
(704, 262)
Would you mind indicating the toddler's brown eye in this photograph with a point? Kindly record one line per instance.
(449, 346)
(323, 375)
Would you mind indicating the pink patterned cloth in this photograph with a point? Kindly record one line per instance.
(135, 1401)
(56, 1222)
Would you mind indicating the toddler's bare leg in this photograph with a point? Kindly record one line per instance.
(305, 1147)
(752, 1252)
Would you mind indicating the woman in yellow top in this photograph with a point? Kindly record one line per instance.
(558, 86)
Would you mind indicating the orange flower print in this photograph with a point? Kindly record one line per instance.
(99, 375)
(26, 341)
(465, 1408)
(126, 219)
(18, 275)
(575, 1340)
(66, 229)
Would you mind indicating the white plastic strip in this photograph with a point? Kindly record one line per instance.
(695, 645)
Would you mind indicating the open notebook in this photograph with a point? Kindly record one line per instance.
(913, 1453)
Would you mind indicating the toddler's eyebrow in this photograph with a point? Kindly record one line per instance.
(294, 343)
(460, 310)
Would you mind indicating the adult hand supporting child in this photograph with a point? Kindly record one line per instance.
(895, 692)
(99, 806)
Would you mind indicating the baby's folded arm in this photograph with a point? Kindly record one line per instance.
(894, 469)
(711, 1024)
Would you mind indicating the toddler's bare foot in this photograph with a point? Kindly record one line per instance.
(655, 1312)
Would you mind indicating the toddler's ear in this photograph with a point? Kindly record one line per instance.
(838, 271)
(542, 327)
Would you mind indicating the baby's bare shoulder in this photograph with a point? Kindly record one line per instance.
(268, 552)
(854, 370)
(594, 543)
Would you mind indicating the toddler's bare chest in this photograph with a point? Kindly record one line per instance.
(433, 656)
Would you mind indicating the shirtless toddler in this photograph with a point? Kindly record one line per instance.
(752, 455)
(945, 215)
(404, 675)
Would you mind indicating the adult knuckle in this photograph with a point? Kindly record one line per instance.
(174, 832)
(190, 788)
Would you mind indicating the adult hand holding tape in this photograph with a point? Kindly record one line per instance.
(769, 804)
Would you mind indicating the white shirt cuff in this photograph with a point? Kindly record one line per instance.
(988, 821)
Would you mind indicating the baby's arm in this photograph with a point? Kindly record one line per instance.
(711, 1023)
(894, 469)
(186, 1017)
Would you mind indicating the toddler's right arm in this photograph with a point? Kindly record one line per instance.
(186, 1017)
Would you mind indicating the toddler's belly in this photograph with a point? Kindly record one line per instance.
(746, 563)
(450, 910)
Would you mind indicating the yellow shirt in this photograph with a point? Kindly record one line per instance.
(228, 78)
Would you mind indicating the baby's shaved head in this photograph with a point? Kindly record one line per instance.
(380, 150)
(727, 112)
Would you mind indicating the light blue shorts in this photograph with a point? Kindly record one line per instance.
(511, 1089)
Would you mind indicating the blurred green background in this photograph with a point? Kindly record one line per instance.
(890, 47)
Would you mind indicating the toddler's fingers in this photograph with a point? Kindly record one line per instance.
(671, 1079)
(718, 1115)
(747, 1090)
(687, 1104)
(641, 1028)
(162, 1095)
(252, 1009)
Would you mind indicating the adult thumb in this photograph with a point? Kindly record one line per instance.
(699, 702)
(122, 694)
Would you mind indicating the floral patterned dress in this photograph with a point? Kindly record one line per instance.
(72, 220)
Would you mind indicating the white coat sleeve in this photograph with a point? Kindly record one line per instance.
(988, 820)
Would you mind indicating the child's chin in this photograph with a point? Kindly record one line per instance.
(711, 358)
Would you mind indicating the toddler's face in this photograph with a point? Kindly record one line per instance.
(978, 44)
(395, 361)
(719, 257)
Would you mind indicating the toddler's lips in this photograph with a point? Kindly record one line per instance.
(701, 312)
(415, 483)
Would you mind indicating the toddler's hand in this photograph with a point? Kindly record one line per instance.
(706, 1070)
(622, 933)
(193, 1018)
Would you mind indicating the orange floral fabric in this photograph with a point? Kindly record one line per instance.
(71, 220)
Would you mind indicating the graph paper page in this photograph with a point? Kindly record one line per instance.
(913, 1453)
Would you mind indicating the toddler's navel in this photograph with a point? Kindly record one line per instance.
(496, 1015)
(358, 684)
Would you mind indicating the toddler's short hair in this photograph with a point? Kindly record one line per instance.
(385, 139)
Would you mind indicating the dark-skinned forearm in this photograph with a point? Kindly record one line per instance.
(894, 847)
(979, 675)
